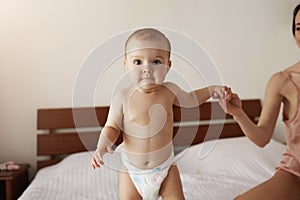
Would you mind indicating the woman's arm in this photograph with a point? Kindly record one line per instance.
(262, 132)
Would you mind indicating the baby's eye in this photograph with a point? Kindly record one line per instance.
(298, 29)
(137, 62)
(156, 62)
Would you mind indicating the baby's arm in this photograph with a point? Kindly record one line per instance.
(107, 138)
(109, 133)
(198, 97)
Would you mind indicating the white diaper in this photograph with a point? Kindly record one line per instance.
(148, 181)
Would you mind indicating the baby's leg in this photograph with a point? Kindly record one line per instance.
(171, 187)
(282, 185)
(127, 190)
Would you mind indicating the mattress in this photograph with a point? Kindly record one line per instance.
(227, 169)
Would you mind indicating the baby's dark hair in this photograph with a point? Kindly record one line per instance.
(295, 12)
(148, 34)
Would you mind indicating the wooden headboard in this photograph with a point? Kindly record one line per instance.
(69, 130)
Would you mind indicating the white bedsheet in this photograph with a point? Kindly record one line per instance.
(232, 167)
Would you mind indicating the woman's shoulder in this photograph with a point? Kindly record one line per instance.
(277, 81)
(294, 68)
(279, 77)
(283, 75)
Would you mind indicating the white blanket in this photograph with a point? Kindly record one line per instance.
(232, 167)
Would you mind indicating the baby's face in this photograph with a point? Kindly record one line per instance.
(147, 65)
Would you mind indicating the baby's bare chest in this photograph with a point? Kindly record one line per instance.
(142, 109)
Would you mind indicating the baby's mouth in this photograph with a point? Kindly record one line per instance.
(148, 78)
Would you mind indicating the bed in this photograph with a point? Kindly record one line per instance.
(215, 159)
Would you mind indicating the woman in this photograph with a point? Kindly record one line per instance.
(282, 88)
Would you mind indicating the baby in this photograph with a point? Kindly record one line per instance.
(143, 113)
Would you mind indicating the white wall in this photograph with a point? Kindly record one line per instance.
(44, 43)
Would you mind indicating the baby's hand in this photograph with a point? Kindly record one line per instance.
(97, 159)
(222, 93)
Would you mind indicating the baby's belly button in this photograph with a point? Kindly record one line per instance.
(148, 164)
(144, 163)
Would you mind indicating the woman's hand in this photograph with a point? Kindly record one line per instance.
(232, 106)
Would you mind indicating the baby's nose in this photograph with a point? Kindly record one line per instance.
(147, 70)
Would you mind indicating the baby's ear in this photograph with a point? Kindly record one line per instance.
(169, 63)
(125, 63)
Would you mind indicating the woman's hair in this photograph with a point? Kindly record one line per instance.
(296, 10)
